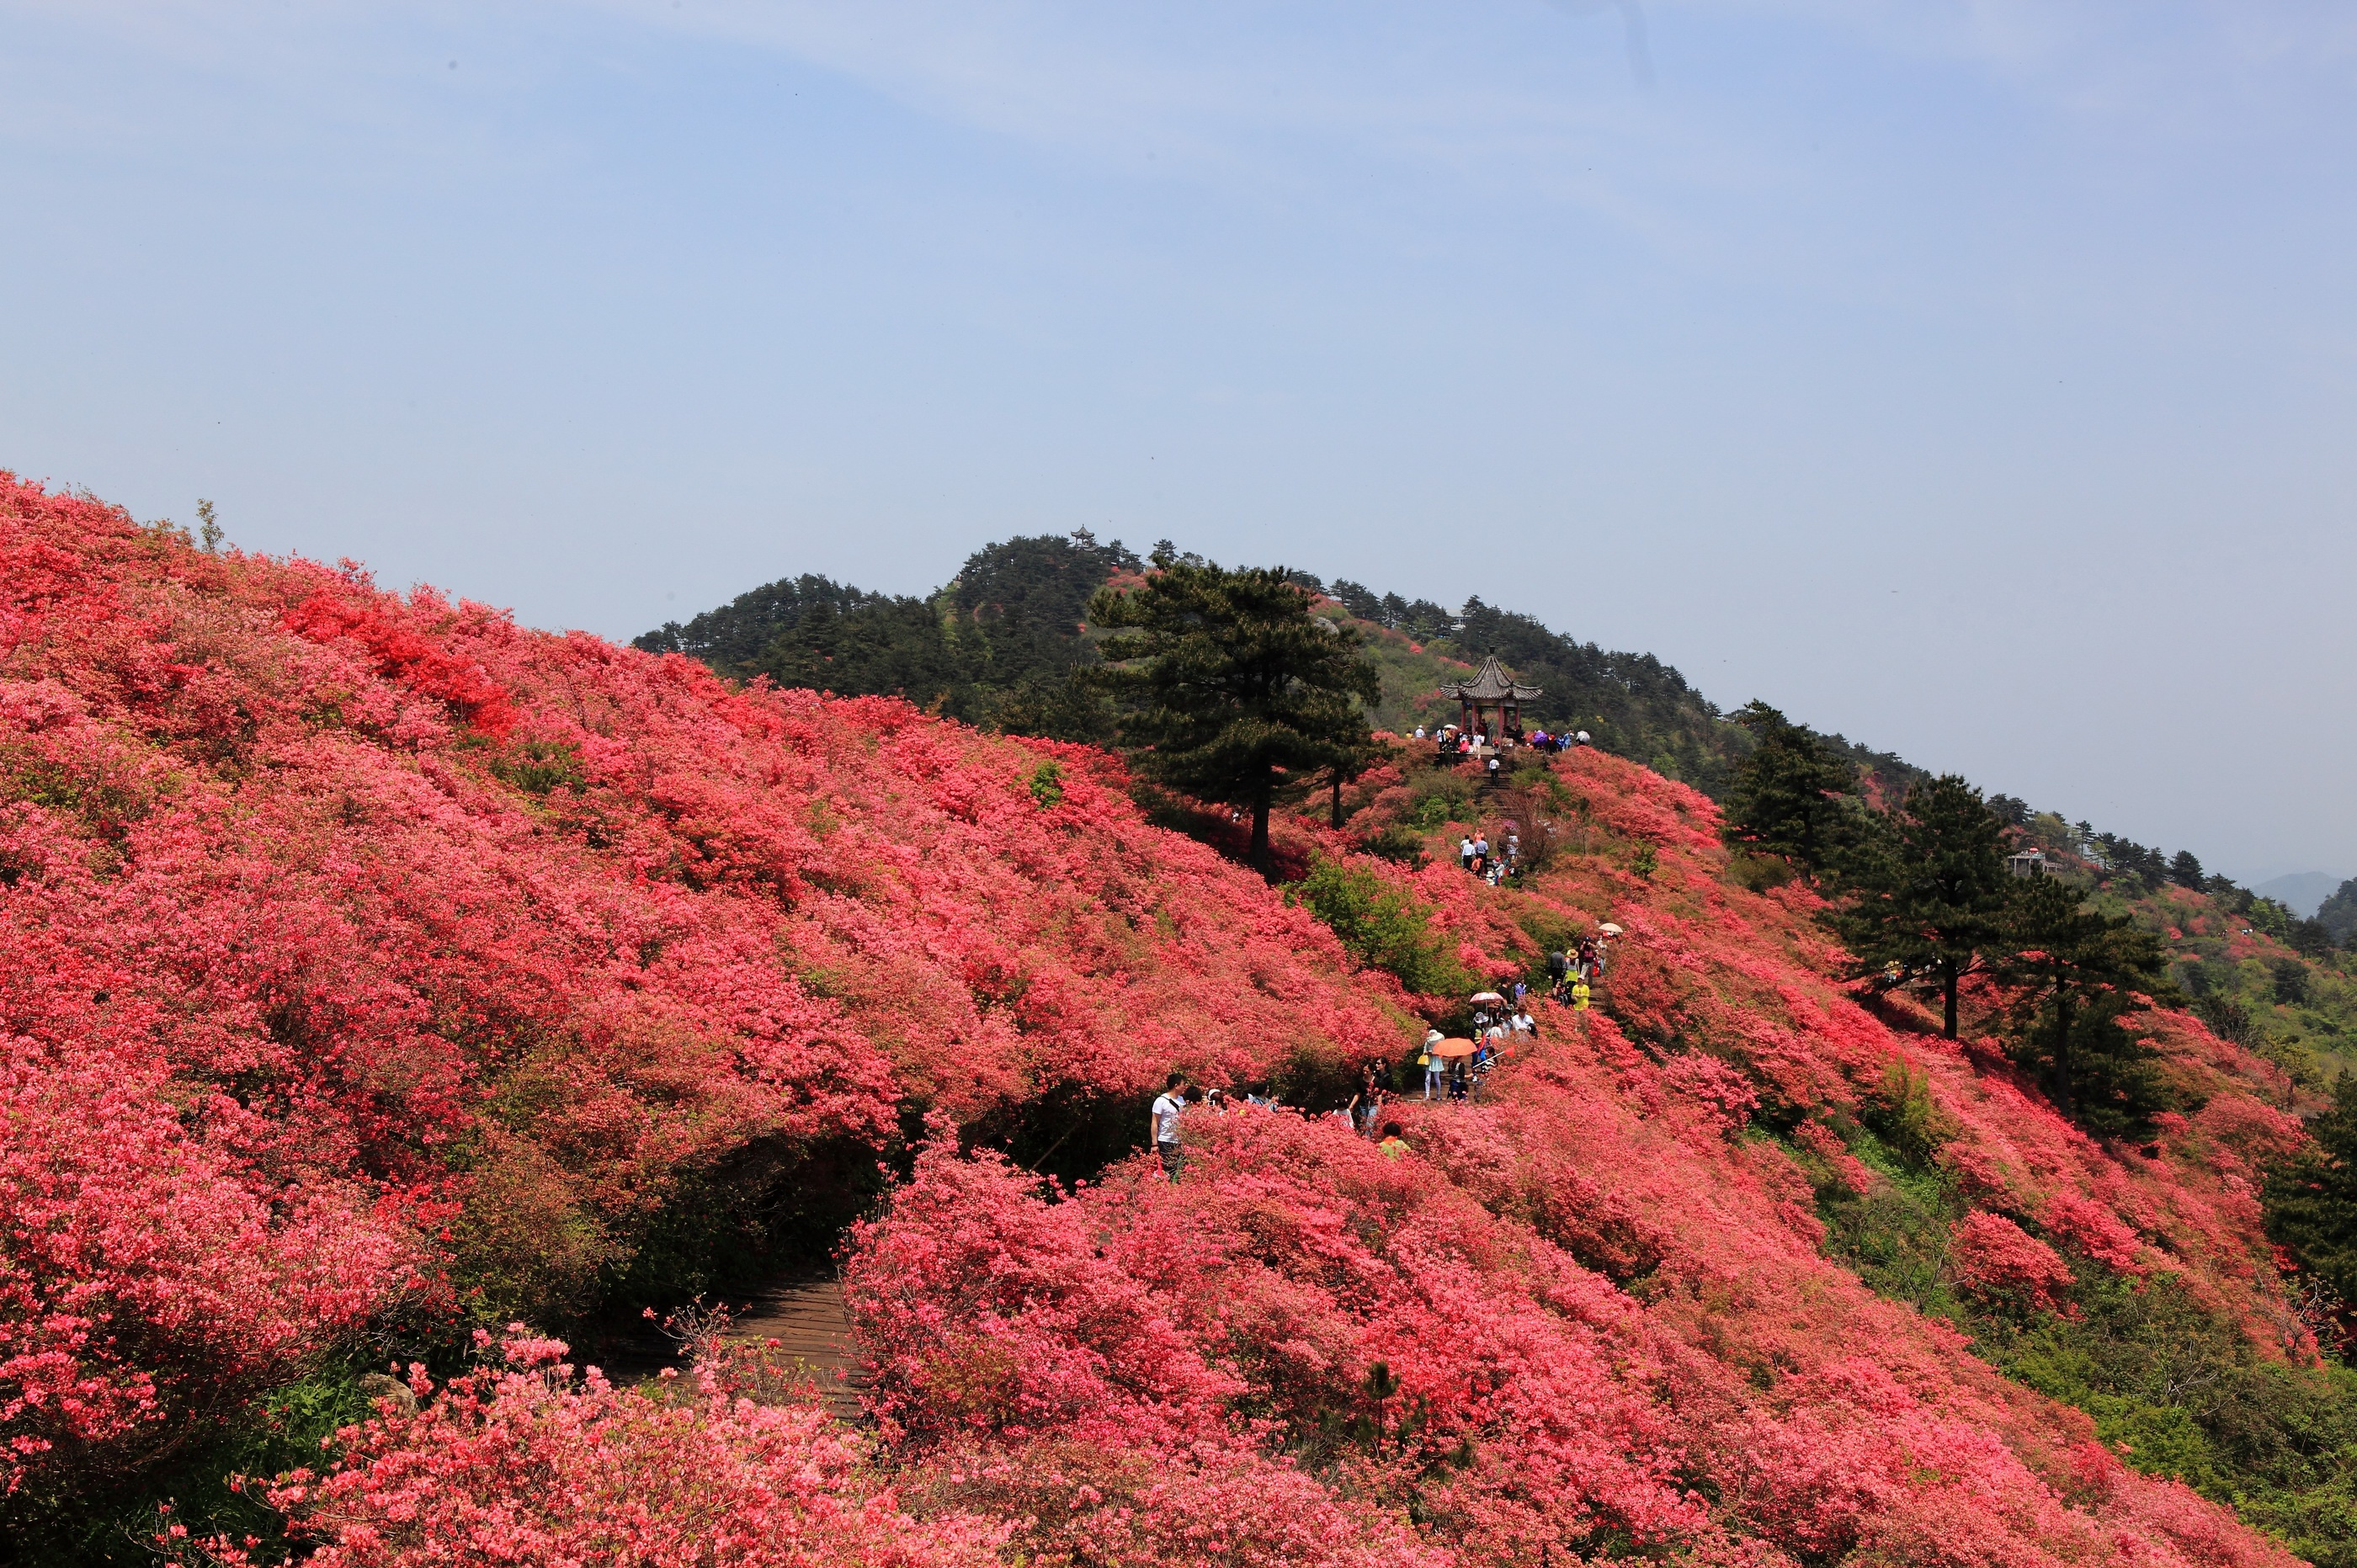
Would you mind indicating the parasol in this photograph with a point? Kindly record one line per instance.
(1487, 996)
(1609, 928)
(1453, 1048)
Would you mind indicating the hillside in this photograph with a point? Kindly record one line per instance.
(379, 974)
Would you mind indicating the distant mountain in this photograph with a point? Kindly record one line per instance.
(2302, 892)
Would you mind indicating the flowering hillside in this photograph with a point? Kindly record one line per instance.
(365, 959)
(371, 969)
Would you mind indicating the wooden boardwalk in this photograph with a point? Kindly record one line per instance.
(807, 1318)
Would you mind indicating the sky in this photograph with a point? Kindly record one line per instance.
(1975, 378)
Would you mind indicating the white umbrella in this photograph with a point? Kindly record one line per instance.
(1609, 928)
(1487, 996)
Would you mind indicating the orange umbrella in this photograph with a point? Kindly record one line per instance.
(1453, 1048)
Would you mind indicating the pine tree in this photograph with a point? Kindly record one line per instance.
(2311, 1201)
(1231, 689)
(1794, 797)
(2077, 977)
(1933, 894)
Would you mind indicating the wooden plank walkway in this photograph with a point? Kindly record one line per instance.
(807, 1318)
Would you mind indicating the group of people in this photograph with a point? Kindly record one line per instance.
(1179, 1099)
(1475, 855)
(1500, 1020)
(1451, 743)
(1574, 972)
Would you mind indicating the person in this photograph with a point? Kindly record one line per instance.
(1393, 1146)
(1524, 1024)
(1481, 844)
(1513, 846)
(1419, 732)
(1522, 989)
(1493, 766)
(1558, 967)
(1216, 1102)
(1436, 1068)
(1457, 1077)
(1586, 957)
(1369, 1099)
(1579, 994)
(1164, 1123)
(1465, 854)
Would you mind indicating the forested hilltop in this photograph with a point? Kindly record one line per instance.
(1005, 642)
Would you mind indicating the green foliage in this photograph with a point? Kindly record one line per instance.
(2311, 1201)
(209, 528)
(1047, 784)
(1905, 1117)
(2075, 976)
(541, 766)
(201, 1483)
(1380, 926)
(2338, 914)
(2172, 1389)
(999, 646)
(1794, 797)
(1930, 892)
(1229, 689)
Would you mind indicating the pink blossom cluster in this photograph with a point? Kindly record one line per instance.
(1992, 1257)
(534, 1463)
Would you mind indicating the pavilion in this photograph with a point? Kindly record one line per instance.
(1490, 688)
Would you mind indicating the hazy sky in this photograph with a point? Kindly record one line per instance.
(1973, 379)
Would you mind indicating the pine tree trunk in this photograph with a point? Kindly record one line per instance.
(1337, 814)
(1261, 860)
(1949, 977)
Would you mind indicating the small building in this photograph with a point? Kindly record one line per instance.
(2029, 863)
(1492, 691)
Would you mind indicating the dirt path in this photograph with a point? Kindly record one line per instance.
(807, 1318)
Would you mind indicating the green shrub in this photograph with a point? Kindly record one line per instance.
(1380, 926)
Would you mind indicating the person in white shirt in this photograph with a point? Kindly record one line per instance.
(1164, 1123)
(1465, 854)
(1524, 1023)
(1436, 1069)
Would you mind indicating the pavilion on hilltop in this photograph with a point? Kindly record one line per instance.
(1492, 690)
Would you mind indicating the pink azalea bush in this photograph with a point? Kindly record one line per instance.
(1993, 1257)
(358, 949)
(530, 1461)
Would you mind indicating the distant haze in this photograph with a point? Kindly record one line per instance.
(2302, 891)
(1973, 380)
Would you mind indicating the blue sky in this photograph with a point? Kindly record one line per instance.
(1973, 379)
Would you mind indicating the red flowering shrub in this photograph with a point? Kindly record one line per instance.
(424, 940)
(531, 1464)
(1992, 1257)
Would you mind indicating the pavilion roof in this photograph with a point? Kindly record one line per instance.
(1491, 683)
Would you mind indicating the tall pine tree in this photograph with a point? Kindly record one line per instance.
(1794, 797)
(1229, 689)
(2077, 977)
(2311, 1201)
(1931, 895)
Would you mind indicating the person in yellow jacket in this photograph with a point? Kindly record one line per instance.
(1579, 994)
